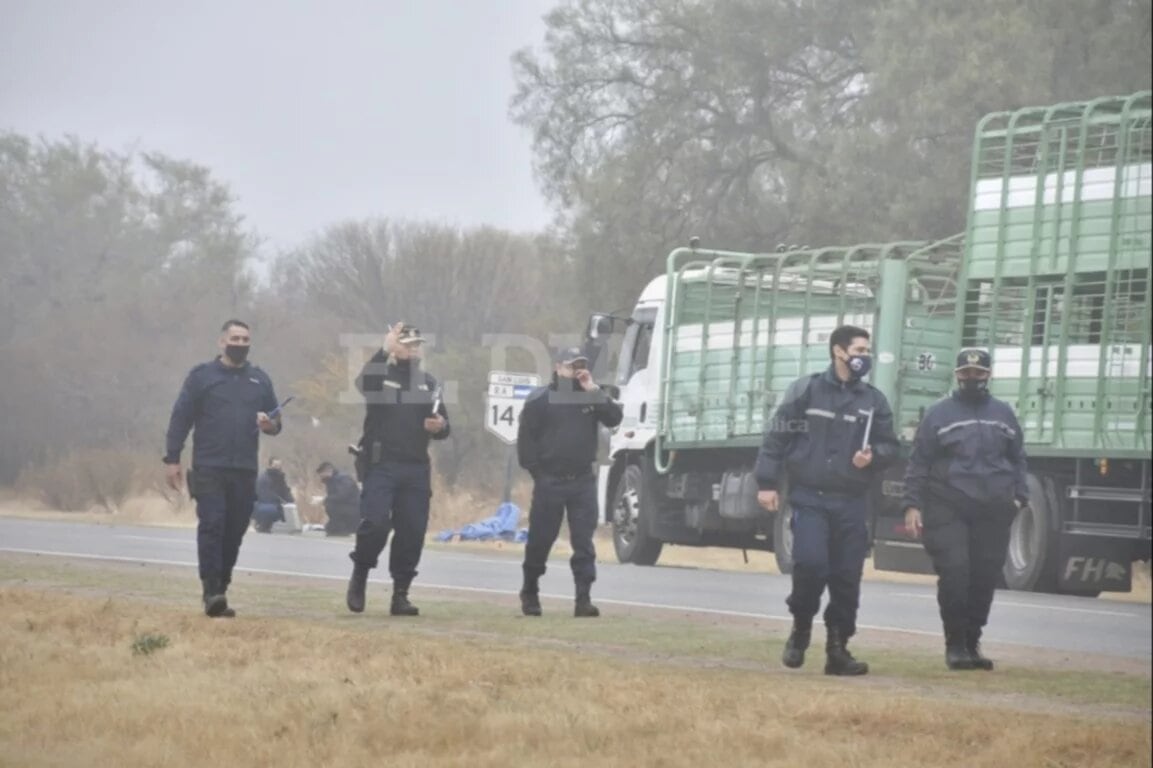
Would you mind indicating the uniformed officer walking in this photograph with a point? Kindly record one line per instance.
(965, 483)
(831, 438)
(404, 412)
(225, 403)
(557, 444)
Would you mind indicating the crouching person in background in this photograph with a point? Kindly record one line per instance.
(341, 501)
(272, 493)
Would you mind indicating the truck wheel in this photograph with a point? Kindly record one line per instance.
(783, 539)
(1031, 544)
(630, 529)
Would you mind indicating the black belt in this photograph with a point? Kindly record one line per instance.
(839, 495)
(567, 477)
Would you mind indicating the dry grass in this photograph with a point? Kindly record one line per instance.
(266, 690)
(148, 509)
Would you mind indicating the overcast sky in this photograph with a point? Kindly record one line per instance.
(311, 112)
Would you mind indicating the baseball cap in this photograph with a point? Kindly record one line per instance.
(409, 334)
(974, 358)
(569, 355)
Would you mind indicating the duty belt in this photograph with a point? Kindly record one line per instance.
(567, 476)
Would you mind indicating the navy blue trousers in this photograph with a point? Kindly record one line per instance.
(224, 499)
(394, 498)
(830, 541)
(264, 514)
(551, 498)
(968, 547)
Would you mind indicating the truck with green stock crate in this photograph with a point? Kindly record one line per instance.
(1051, 275)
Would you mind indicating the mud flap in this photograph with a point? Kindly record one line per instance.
(1092, 564)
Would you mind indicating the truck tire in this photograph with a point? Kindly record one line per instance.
(1032, 544)
(630, 510)
(783, 538)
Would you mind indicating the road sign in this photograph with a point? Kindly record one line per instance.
(506, 394)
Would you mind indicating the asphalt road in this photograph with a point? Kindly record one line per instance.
(1054, 622)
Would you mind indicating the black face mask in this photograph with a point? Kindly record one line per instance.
(237, 353)
(973, 388)
(859, 366)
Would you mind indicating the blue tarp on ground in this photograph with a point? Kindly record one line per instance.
(501, 526)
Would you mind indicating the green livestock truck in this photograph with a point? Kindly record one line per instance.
(1051, 276)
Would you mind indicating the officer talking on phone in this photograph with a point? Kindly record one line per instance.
(557, 443)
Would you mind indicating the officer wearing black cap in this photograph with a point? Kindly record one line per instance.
(404, 412)
(557, 444)
(964, 485)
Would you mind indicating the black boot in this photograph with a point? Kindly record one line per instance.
(400, 604)
(228, 612)
(956, 654)
(530, 596)
(356, 587)
(973, 646)
(584, 606)
(798, 642)
(838, 660)
(956, 649)
(215, 603)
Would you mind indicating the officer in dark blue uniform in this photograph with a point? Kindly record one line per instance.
(226, 404)
(404, 412)
(557, 444)
(965, 483)
(833, 436)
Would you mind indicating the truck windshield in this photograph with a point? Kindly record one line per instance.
(637, 343)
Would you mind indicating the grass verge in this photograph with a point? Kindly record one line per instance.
(296, 680)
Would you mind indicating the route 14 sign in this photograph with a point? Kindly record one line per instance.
(506, 395)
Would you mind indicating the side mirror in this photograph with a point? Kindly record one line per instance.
(592, 349)
(599, 326)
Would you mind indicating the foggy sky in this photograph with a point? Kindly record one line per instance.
(311, 112)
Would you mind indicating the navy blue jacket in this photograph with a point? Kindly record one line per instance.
(817, 429)
(219, 405)
(557, 433)
(967, 451)
(399, 397)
